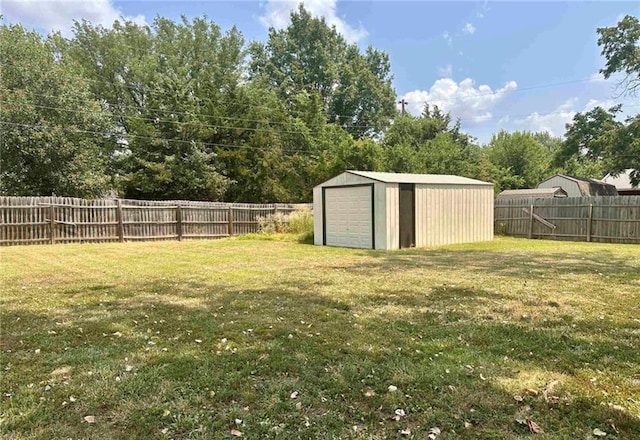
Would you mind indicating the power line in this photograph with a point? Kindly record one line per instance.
(175, 112)
(271, 129)
(183, 141)
(181, 123)
(134, 136)
(450, 99)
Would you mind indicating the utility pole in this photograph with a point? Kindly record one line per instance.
(403, 103)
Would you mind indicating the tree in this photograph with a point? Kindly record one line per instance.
(170, 87)
(428, 144)
(621, 48)
(523, 161)
(56, 138)
(311, 57)
(585, 139)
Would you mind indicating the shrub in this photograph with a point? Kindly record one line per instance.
(298, 222)
(273, 223)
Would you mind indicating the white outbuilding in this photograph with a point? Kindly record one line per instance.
(372, 210)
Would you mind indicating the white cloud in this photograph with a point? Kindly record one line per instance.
(555, 121)
(448, 38)
(469, 29)
(277, 15)
(446, 71)
(59, 15)
(463, 99)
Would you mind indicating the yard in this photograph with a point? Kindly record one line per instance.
(272, 338)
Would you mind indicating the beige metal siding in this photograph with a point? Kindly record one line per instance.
(447, 214)
(317, 215)
(380, 217)
(391, 216)
(569, 186)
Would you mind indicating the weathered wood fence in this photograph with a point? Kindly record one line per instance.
(49, 220)
(604, 219)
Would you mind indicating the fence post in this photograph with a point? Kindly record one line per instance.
(531, 222)
(120, 221)
(179, 221)
(52, 223)
(230, 233)
(589, 222)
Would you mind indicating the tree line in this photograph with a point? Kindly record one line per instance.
(183, 110)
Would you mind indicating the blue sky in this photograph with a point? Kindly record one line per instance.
(511, 65)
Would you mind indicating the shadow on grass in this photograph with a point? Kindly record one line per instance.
(525, 265)
(197, 366)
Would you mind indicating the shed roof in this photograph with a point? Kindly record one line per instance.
(533, 193)
(590, 187)
(621, 181)
(441, 179)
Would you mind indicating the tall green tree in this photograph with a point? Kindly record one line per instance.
(311, 57)
(56, 137)
(597, 137)
(522, 160)
(428, 144)
(621, 48)
(171, 86)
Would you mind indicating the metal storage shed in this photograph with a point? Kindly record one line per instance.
(371, 210)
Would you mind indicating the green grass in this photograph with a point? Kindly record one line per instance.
(458, 330)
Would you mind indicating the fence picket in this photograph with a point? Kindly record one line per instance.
(41, 220)
(603, 219)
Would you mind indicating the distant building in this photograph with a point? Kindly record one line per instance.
(579, 186)
(534, 193)
(623, 183)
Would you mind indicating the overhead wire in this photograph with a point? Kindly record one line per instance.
(448, 99)
(124, 137)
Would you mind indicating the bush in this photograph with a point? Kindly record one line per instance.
(273, 223)
(298, 222)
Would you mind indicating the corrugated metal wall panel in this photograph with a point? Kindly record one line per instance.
(392, 226)
(380, 207)
(317, 216)
(569, 186)
(447, 214)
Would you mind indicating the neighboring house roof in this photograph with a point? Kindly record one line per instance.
(589, 187)
(622, 181)
(532, 193)
(443, 179)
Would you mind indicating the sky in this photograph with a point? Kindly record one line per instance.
(493, 64)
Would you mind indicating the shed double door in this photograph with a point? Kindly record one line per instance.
(407, 215)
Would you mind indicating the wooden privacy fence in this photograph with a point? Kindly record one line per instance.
(614, 219)
(49, 220)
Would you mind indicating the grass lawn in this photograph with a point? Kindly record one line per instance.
(264, 339)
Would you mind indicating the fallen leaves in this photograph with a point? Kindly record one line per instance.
(392, 388)
(294, 395)
(523, 417)
(433, 433)
(599, 433)
(236, 433)
(369, 393)
(399, 413)
(90, 419)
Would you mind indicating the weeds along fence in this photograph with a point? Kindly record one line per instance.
(614, 219)
(50, 220)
